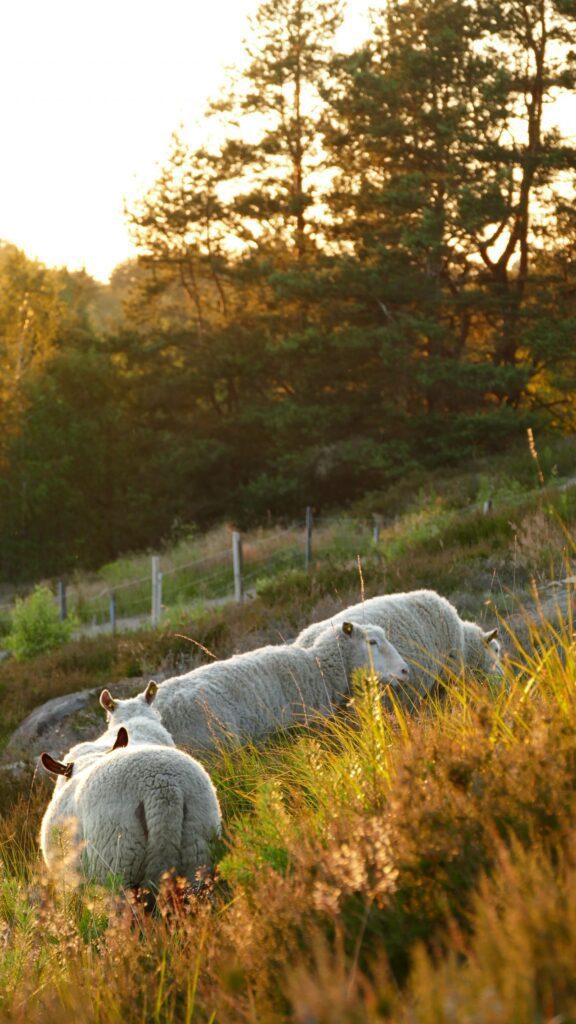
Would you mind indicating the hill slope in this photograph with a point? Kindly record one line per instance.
(382, 869)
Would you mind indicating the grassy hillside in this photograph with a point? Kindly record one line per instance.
(433, 534)
(383, 869)
(415, 870)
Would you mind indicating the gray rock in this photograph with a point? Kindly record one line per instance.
(63, 721)
(541, 622)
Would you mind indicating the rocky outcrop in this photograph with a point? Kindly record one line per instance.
(538, 623)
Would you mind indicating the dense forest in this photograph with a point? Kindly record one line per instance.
(369, 268)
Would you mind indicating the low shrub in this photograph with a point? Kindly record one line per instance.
(36, 626)
(329, 577)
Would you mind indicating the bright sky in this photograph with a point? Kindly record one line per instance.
(91, 93)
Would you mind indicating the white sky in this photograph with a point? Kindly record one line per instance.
(89, 97)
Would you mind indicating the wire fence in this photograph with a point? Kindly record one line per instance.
(231, 572)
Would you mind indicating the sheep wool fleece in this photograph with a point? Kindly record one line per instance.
(132, 812)
(427, 631)
(139, 813)
(252, 695)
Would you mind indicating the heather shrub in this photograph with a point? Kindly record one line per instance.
(378, 867)
(516, 964)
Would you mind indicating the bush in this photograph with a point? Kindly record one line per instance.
(36, 626)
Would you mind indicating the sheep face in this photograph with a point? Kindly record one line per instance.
(492, 653)
(119, 711)
(482, 650)
(370, 648)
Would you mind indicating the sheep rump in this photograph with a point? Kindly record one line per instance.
(134, 816)
(133, 812)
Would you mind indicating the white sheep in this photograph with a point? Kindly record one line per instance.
(129, 810)
(426, 630)
(251, 695)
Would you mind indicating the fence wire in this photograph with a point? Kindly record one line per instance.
(208, 578)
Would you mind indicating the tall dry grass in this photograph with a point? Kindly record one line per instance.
(385, 867)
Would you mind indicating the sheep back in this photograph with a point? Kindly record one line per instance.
(422, 625)
(254, 694)
(251, 695)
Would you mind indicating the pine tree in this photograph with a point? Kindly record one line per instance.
(444, 169)
(274, 154)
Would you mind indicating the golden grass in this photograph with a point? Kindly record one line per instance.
(387, 867)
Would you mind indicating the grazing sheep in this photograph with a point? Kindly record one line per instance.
(482, 650)
(132, 811)
(251, 695)
(426, 630)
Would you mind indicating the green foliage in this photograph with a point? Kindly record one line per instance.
(289, 585)
(374, 279)
(36, 625)
(4, 622)
(329, 576)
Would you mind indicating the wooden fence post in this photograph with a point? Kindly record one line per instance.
(155, 572)
(308, 547)
(159, 580)
(62, 599)
(237, 562)
(112, 611)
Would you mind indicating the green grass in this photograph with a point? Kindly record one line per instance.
(384, 868)
(432, 531)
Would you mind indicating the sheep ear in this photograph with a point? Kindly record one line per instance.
(150, 691)
(491, 635)
(54, 767)
(106, 701)
(347, 628)
(121, 739)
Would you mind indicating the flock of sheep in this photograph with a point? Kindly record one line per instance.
(133, 806)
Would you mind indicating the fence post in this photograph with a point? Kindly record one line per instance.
(112, 611)
(62, 599)
(159, 579)
(155, 572)
(308, 547)
(237, 562)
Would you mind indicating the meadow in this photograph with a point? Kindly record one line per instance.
(389, 867)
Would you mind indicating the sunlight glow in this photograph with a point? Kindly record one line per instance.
(91, 95)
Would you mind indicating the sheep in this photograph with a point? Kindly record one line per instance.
(129, 810)
(427, 631)
(251, 695)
